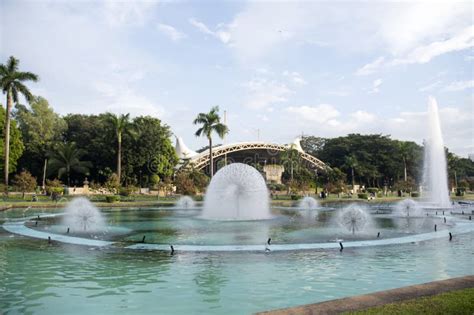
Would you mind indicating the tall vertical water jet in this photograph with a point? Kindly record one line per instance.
(435, 173)
(237, 192)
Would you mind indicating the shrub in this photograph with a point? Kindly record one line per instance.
(24, 182)
(362, 196)
(54, 186)
(415, 194)
(372, 190)
(113, 183)
(460, 191)
(126, 191)
(112, 198)
(295, 197)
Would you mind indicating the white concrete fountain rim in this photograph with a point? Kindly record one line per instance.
(18, 227)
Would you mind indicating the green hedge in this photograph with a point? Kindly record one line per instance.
(362, 196)
(112, 198)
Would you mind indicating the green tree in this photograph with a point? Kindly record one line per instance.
(351, 162)
(16, 143)
(24, 182)
(120, 124)
(12, 84)
(290, 159)
(210, 122)
(40, 128)
(66, 158)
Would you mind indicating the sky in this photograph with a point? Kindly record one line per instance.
(279, 69)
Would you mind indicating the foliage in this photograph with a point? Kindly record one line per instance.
(12, 84)
(362, 196)
(154, 181)
(190, 181)
(112, 198)
(210, 122)
(112, 184)
(406, 186)
(375, 159)
(24, 182)
(16, 144)
(40, 128)
(415, 194)
(127, 191)
(54, 186)
(65, 158)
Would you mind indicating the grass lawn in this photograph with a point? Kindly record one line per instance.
(455, 302)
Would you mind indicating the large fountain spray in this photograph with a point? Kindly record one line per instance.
(435, 175)
(82, 216)
(237, 192)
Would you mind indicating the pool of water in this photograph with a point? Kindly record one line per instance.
(59, 278)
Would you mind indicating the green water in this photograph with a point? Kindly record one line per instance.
(54, 279)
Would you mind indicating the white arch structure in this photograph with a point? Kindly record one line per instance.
(200, 160)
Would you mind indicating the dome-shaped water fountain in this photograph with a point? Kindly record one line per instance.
(354, 218)
(408, 208)
(185, 202)
(308, 203)
(81, 215)
(237, 192)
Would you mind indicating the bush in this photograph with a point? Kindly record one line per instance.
(112, 198)
(127, 191)
(362, 196)
(54, 186)
(295, 197)
(24, 182)
(415, 194)
(460, 191)
(372, 190)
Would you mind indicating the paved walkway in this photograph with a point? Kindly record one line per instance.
(379, 298)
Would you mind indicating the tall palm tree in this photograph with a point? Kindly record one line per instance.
(404, 148)
(121, 124)
(65, 158)
(351, 162)
(210, 122)
(290, 157)
(11, 83)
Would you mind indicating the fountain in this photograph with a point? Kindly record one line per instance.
(308, 203)
(82, 216)
(408, 208)
(435, 175)
(237, 192)
(354, 218)
(185, 202)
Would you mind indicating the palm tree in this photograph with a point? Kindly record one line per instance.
(65, 159)
(11, 83)
(351, 162)
(211, 122)
(404, 148)
(121, 124)
(290, 157)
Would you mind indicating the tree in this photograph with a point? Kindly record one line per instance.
(351, 162)
(24, 182)
(290, 158)
(11, 83)
(120, 124)
(65, 158)
(16, 144)
(210, 122)
(40, 128)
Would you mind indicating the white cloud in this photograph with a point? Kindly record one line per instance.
(263, 93)
(429, 87)
(459, 86)
(375, 86)
(371, 67)
(322, 113)
(295, 77)
(119, 13)
(220, 34)
(171, 32)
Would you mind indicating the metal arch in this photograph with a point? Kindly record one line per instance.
(202, 159)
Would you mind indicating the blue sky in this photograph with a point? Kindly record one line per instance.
(283, 68)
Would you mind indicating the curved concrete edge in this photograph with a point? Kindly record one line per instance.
(362, 302)
(18, 227)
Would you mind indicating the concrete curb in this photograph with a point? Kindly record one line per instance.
(361, 302)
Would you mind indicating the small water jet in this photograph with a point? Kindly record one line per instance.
(185, 202)
(408, 208)
(354, 218)
(81, 215)
(237, 192)
(435, 176)
(308, 203)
